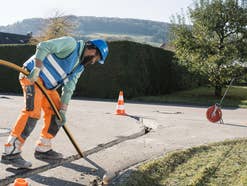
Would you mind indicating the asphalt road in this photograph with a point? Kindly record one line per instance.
(114, 143)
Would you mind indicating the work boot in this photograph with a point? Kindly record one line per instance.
(43, 150)
(16, 160)
(48, 155)
(12, 153)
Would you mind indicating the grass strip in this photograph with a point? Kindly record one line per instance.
(222, 163)
(203, 176)
(204, 96)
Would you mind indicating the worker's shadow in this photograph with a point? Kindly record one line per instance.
(83, 170)
(45, 180)
(95, 171)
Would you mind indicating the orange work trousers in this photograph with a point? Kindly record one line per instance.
(35, 101)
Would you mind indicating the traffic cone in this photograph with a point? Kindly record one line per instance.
(120, 104)
(20, 182)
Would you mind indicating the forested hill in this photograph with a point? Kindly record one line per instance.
(110, 28)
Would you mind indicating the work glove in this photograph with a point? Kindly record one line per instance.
(63, 116)
(34, 74)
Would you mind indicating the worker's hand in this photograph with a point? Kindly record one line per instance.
(63, 116)
(34, 74)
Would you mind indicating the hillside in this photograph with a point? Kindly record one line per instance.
(143, 31)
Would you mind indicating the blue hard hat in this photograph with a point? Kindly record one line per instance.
(102, 46)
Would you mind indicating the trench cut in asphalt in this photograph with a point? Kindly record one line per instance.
(29, 172)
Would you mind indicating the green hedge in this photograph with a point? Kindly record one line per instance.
(135, 68)
(16, 54)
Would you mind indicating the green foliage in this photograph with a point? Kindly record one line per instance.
(138, 70)
(216, 43)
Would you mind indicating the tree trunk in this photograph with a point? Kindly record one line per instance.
(217, 91)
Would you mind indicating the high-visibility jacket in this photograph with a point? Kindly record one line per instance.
(57, 71)
(61, 48)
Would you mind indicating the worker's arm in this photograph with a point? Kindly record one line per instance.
(67, 92)
(62, 47)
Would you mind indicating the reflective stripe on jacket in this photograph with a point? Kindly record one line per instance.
(58, 71)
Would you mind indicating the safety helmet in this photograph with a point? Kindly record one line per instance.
(102, 46)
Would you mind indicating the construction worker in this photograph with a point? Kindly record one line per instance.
(57, 62)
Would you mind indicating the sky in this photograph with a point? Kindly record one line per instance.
(12, 11)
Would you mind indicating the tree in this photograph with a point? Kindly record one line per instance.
(215, 45)
(57, 26)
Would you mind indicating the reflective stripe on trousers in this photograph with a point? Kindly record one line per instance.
(34, 102)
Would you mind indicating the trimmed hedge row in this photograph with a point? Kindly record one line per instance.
(16, 54)
(135, 68)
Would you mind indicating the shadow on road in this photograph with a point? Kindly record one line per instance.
(233, 125)
(33, 174)
(53, 181)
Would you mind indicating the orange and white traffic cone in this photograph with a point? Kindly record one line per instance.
(120, 104)
(20, 182)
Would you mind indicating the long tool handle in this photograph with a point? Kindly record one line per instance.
(229, 86)
(42, 88)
